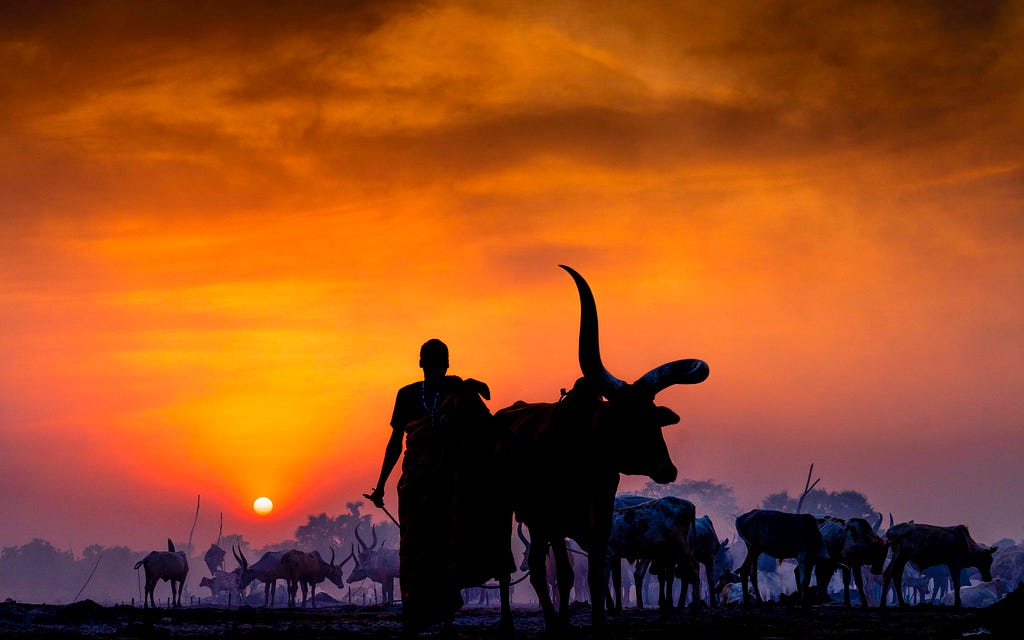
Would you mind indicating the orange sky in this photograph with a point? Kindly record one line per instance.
(225, 229)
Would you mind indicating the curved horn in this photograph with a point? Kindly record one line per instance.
(351, 555)
(240, 558)
(590, 347)
(361, 543)
(373, 530)
(332, 556)
(519, 530)
(878, 525)
(679, 372)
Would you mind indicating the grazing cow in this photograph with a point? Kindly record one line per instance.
(223, 581)
(379, 564)
(167, 565)
(850, 544)
(298, 568)
(573, 452)
(657, 530)
(267, 570)
(780, 535)
(928, 545)
(713, 554)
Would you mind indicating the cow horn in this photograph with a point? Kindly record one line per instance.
(359, 538)
(332, 556)
(679, 372)
(240, 558)
(373, 530)
(878, 525)
(519, 530)
(590, 347)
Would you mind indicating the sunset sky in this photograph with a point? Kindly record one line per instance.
(226, 228)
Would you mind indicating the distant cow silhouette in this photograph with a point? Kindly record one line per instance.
(167, 565)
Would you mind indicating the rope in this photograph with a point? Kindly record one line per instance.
(511, 584)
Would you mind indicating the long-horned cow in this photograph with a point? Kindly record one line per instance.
(267, 570)
(851, 544)
(780, 535)
(306, 570)
(167, 565)
(380, 565)
(927, 545)
(574, 451)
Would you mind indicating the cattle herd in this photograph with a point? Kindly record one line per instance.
(581, 531)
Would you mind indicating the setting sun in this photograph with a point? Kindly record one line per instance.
(262, 506)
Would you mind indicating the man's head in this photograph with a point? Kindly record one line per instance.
(434, 356)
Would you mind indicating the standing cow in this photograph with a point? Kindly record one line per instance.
(713, 554)
(379, 564)
(267, 570)
(928, 545)
(656, 530)
(851, 544)
(573, 452)
(167, 565)
(780, 535)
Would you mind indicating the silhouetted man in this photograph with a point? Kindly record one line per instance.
(449, 450)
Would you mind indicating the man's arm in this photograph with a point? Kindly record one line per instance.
(391, 455)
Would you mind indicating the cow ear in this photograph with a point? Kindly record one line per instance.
(663, 416)
(992, 550)
(725, 542)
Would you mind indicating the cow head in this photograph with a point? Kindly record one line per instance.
(333, 572)
(631, 422)
(862, 541)
(365, 558)
(983, 561)
(246, 575)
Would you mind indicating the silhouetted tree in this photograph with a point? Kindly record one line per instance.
(842, 504)
(38, 572)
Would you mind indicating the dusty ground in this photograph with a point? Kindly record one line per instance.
(90, 620)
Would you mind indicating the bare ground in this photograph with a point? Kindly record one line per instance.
(89, 620)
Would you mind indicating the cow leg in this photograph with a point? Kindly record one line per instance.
(752, 569)
(615, 566)
(537, 561)
(712, 600)
(804, 571)
(563, 567)
(640, 569)
(954, 573)
(506, 626)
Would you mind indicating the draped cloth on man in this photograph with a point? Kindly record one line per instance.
(456, 522)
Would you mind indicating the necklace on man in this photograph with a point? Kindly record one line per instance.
(423, 397)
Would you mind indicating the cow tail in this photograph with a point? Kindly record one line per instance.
(138, 564)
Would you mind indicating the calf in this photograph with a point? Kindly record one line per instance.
(780, 535)
(167, 565)
(928, 545)
(223, 581)
(850, 544)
